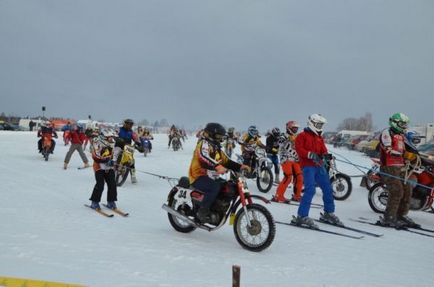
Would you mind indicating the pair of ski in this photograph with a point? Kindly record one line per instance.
(408, 229)
(297, 203)
(107, 214)
(364, 232)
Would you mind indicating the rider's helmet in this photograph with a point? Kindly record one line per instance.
(128, 124)
(214, 132)
(316, 123)
(108, 135)
(398, 123)
(275, 132)
(292, 127)
(252, 131)
(231, 131)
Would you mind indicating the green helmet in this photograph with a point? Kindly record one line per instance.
(398, 122)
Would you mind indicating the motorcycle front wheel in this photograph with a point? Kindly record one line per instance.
(259, 234)
(264, 180)
(121, 176)
(342, 186)
(378, 197)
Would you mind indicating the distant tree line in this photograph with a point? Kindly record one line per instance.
(363, 123)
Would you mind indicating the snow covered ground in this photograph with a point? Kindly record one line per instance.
(46, 233)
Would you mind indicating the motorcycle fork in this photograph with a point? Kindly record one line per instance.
(244, 201)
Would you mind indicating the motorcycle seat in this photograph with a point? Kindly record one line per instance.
(184, 182)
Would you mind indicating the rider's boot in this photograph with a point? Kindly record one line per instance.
(206, 216)
(133, 176)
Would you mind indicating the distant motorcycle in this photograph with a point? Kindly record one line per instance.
(124, 167)
(262, 170)
(176, 143)
(146, 145)
(46, 146)
(254, 226)
(229, 146)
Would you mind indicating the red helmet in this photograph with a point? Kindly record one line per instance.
(292, 127)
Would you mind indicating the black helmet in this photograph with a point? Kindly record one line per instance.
(275, 132)
(215, 132)
(128, 122)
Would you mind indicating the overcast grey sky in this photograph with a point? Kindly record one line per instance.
(238, 62)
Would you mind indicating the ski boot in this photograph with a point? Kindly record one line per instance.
(280, 200)
(305, 221)
(389, 221)
(408, 222)
(95, 205)
(330, 218)
(65, 165)
(111, 205)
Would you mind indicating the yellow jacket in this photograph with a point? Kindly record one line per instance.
(248, 144)
(206, 157)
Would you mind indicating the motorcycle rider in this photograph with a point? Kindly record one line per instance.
(126, 135)
(290, 164)
(230, 140)
(146, 135)
(46, 129)
(103, 165)
(249, 142)
(272, 149)
(209, 161)
(392, 150)
(174, 132)
(311, 150)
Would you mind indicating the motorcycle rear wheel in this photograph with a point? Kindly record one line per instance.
(177, 223)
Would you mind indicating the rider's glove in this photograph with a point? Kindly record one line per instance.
(314, 157)
(111, 163)
(220, 169)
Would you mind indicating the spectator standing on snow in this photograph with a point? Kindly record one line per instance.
(77, 137)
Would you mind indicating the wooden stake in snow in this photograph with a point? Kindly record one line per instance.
(236, 272)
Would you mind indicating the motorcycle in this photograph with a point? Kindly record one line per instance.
(46, 146)
(176, 143)
(146, 144)
(253, 225)
(229, 146)
(372, 177)
(262, 170)
(124, 167)
(341, 183)
(422, 196)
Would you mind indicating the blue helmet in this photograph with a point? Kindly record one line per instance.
(252, 131)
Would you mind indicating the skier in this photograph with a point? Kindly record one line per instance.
(311, 150)
(209, 161)
(102, 154)
(77, 137)
(290, 165)
(248, 143)
(126, 135)
(46, 130)
(272, 149)
(392, 149)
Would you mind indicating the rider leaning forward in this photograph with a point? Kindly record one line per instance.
(208, 163)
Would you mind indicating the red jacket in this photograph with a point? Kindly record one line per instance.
(76, 137)
(392, 148)
(306, 142)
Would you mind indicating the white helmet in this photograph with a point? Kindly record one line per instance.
(108, 133)
(316, 122)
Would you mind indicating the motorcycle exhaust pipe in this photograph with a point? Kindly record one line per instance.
(185, 218)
